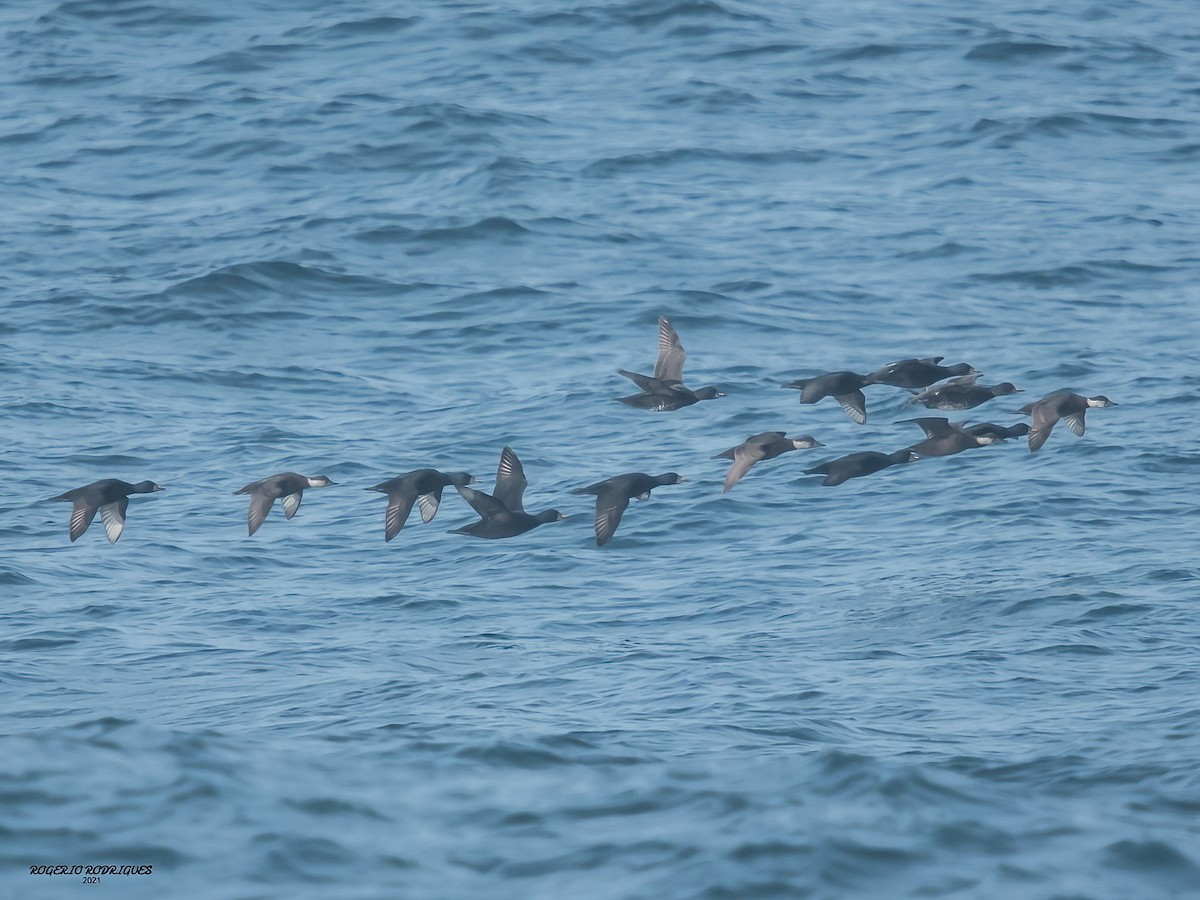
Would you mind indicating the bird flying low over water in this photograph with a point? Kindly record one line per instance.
(758, 447)
(856, 465)
(421, 486)
(844, 387)
(664, 390)
(918, 373)
(286, 486)
(945, 438)
(1065, 405)
(962, 393)
(613, 496)
(502, 513)
(109, 497)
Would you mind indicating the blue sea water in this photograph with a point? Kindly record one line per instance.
(354, 238)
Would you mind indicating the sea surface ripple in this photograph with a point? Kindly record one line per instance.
(354, 238)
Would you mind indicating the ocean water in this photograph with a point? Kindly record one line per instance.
(355, 238)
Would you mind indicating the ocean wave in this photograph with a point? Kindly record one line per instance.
(671, 159)
(1014, 51)
(484, 230)
(658, 12)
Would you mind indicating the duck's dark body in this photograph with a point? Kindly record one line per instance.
(999, 432)
(276, 486)
(423, 486)
(856, 465)
(502, 513)
(918, 373)
(963, 393)
(286, 486)
(945, 438)
(666, 397)
(1064, 405)
(844, 387)
(109, 497)
(758, 447)
(499, 522)
(664, 390)
(613, 496)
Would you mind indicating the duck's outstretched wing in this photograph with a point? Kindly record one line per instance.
(485, 504)
(260, 505)
(429, 504)
(510, 481)
(1042, 422)
(610, 506)
(934, 426)
(113, 516)
(854, 405)
(744, 457)
(400, 504)
(291, 503)
(82, 514)
(645, 382)
(670, 353)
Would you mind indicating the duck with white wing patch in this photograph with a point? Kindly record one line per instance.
(109, 497)
(286, 486)
(945, 438)
(421, 486)
(1064, 405)
(759, 447)
(844, 387)
(613, 496)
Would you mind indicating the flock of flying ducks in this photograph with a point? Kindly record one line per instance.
(502, 513)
